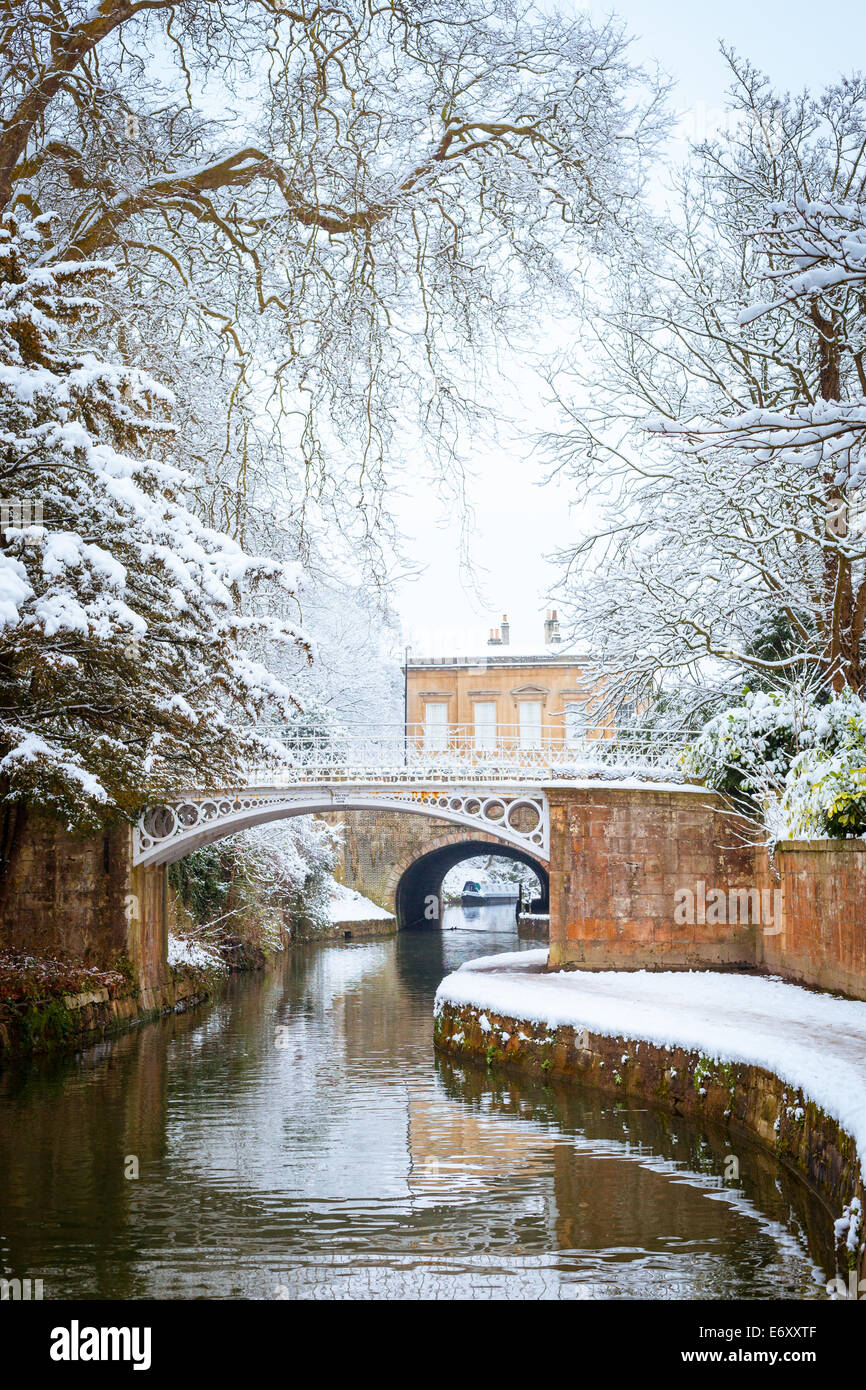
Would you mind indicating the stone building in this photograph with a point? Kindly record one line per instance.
(532, 695)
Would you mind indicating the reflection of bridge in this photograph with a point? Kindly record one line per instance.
(492, 785)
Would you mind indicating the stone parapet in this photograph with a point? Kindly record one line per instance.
(619, 854)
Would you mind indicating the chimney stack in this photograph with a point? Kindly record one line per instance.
(506, 629)
(551, 628)
(494, 640)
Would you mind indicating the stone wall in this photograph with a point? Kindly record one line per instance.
(379, 846)
(823, 937)
(82, 899)
(376, 842)
(62, 894)
(618, 857)
(736, 1097)
(77, 1020)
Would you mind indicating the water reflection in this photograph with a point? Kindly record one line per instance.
(297, 1139)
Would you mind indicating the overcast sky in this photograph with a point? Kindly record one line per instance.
(798, 44)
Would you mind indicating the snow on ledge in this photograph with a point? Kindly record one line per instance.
(629, 781)
(816, 1042)
(348, 905)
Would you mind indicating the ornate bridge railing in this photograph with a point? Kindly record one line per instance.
(395, 753)
(492, 785)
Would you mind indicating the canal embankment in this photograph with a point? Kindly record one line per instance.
(51, 1002)
(756, 1056)
(295, 1137)
(48, 1004)
(352, 915)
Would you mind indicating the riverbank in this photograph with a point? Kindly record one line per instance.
(63, 1018)
(352, 915)
(51, 1003)
(296, 1138)
(754, 1055)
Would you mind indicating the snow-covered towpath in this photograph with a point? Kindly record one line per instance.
(816, 1042)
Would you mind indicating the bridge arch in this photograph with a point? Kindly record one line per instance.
(418, 878)
(517, 818)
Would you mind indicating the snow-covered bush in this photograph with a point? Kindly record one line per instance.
(125, 639)
(825, 794)
(742, 750)
(803, 765)
(187, 950)
(259, 883)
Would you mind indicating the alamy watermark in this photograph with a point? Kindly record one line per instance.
(729, 907)
(20, 1289)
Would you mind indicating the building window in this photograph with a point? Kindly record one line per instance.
(485, 723)
(576, 722)
(435, 727)
(530, 723)
(625, 712)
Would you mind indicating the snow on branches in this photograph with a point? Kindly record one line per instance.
(370, 195)
(128, 628)
(800, 765)
(813, 248)
(810, 450)
(727, 413)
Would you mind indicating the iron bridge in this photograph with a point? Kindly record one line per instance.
(492, 785)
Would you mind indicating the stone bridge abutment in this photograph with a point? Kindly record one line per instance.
(399, 861)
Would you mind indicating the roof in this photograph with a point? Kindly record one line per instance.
(557, 654)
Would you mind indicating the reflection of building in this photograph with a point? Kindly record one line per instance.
(532, 696)
(455, 1145)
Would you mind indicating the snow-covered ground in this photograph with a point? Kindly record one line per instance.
(348, 905)
(815, 1042)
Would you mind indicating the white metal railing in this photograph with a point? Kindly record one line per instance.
(415, 753)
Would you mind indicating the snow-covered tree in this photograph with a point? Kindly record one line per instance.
(330, 211)
(720, 428)
(125, 622)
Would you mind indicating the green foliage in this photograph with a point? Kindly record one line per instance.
(826, 795)
(799, 762)
(258, 884)
(202, 879)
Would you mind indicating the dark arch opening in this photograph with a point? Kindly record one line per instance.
(423, 879)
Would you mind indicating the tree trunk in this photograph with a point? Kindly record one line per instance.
(842, 637)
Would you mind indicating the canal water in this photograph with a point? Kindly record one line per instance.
(298, 1138)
